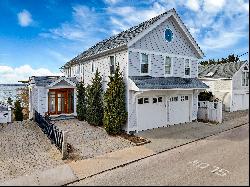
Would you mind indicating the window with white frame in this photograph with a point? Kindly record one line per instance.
(144, 63)
(245, 78)
(187, 67)
(112, 64)
(168, 65)
(77, 69)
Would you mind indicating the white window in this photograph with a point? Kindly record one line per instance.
(187, 67)
(168, 65)
(112, 64)
(245, 78)
(143, 100)
(77, 69)
(144, 63)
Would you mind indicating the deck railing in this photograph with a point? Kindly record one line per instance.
(55, 135)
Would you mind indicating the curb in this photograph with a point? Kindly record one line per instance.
(165, 150)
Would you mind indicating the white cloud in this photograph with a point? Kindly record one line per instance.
(83, 27)
(13, 75)
(112, 1)
(193, 5)
(213, 6)
(24, 18)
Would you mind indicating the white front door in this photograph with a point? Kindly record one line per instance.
(178, 109)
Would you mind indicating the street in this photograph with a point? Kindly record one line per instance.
(219, 160)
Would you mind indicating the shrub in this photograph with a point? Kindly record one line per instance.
(205, 96)
(95, 101)
(18, 111)
(115, 114)
(81, 102)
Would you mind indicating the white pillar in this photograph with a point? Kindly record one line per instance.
(64, 145)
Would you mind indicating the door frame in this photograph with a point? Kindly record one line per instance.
(65, 92)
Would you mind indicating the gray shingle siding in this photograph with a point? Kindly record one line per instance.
(226, 70)
(47, 80)
(147, 82)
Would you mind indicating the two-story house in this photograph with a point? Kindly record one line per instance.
(159, 62)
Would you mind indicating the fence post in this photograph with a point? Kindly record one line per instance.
(64, 145)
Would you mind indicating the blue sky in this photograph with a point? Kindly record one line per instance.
(38, 37)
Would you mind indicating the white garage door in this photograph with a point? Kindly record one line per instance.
(179, 109)
(238, 102)
(151, 112)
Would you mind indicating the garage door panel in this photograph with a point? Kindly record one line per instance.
(179, 109)
(152, 114)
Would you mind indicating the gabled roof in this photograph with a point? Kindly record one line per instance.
(45, 81)
(148, 82)
(217, 71)
(122, 39)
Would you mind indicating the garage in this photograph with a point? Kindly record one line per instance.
(241, 102)
(178, 109)
(151, 112)
(238, 103)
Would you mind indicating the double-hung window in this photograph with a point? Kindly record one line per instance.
(245, 78)
(168, 65)
(112, 64)
(144, 63)
(187, 67)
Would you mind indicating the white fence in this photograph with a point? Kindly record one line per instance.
(5, 115)
(210, 111)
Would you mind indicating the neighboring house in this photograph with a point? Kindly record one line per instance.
(52, 95)
(10, 91)
(229, 82)
(159, 61)
(5, 113)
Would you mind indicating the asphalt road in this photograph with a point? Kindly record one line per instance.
(218, 160)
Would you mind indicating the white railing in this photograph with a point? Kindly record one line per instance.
(210, 111)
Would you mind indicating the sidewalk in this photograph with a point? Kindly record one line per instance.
(161, 140)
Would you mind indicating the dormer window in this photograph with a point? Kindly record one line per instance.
(168, 65)
(144, 63)
(112, 64)
(187, 67)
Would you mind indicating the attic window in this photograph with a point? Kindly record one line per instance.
(169, 35)
(245, 68)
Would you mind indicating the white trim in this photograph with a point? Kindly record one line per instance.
(171, 67)
(149, 64)
(157, 23)
(160, 53)
(189, 62)
(59, 80)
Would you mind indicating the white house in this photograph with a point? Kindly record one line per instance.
(229, 82)
(52, 95)
(159, 61)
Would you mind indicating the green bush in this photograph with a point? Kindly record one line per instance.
(205, 96)
(94, 95)
(115, 114)
(81, 102)
(18, 111)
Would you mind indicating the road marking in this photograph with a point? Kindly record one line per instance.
(202, 165)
